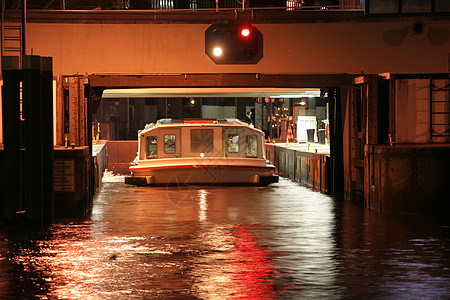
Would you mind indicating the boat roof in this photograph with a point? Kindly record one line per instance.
(200, 121)
(196, 122)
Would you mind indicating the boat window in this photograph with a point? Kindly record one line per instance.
(233, 143)
(152, 143)
(169, 143)
(202, 140)
(251, 148)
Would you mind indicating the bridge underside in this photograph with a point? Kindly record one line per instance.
(220, 80)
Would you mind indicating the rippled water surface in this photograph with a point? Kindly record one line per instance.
(277, 242)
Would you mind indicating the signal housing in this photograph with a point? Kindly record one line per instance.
(238, 44)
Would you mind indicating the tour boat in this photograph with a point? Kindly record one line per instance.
(201, 151)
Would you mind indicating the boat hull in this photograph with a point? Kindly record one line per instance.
(202, 175)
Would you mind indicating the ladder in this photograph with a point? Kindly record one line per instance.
(439, 108)
(12, 40)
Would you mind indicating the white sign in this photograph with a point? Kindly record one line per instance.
(304, 123)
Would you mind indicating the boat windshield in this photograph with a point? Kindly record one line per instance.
(233, 143)
(251, 149)
(169, 143)
(152, 146)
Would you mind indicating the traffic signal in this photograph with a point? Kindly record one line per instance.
(233, 44)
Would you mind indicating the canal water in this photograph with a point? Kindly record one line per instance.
(283, 241)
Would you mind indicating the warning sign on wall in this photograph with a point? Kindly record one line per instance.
(64, 176)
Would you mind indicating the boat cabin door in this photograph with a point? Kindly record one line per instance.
(170, 145)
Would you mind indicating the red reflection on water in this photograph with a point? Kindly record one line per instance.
(253, 267)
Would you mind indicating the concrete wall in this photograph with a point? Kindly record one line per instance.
(413, 124)
(310, 48)
(310, 169)
(72, 185)
(409, 179)
(99, 156)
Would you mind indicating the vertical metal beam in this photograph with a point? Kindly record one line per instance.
(74, 114)
(76, 108)
(372, 110)
(82, 133)
(392, 104)
(384, 110)
(2, 22)
(333, 113)
(358, 117)
(24, 28)
(58, 113)
(372, 131)
(336, 186)
(32, 138)
(47, 139)
(88, 96)
(11, 189)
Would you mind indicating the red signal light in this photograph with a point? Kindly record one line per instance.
(245, 32)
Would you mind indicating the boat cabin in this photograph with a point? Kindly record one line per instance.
(200, 138)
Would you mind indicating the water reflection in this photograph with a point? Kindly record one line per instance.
(306, 238)
(202, 205)
(236, 265)
(383, 252)
(278, 242)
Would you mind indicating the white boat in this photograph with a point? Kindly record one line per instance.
(201, 151)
